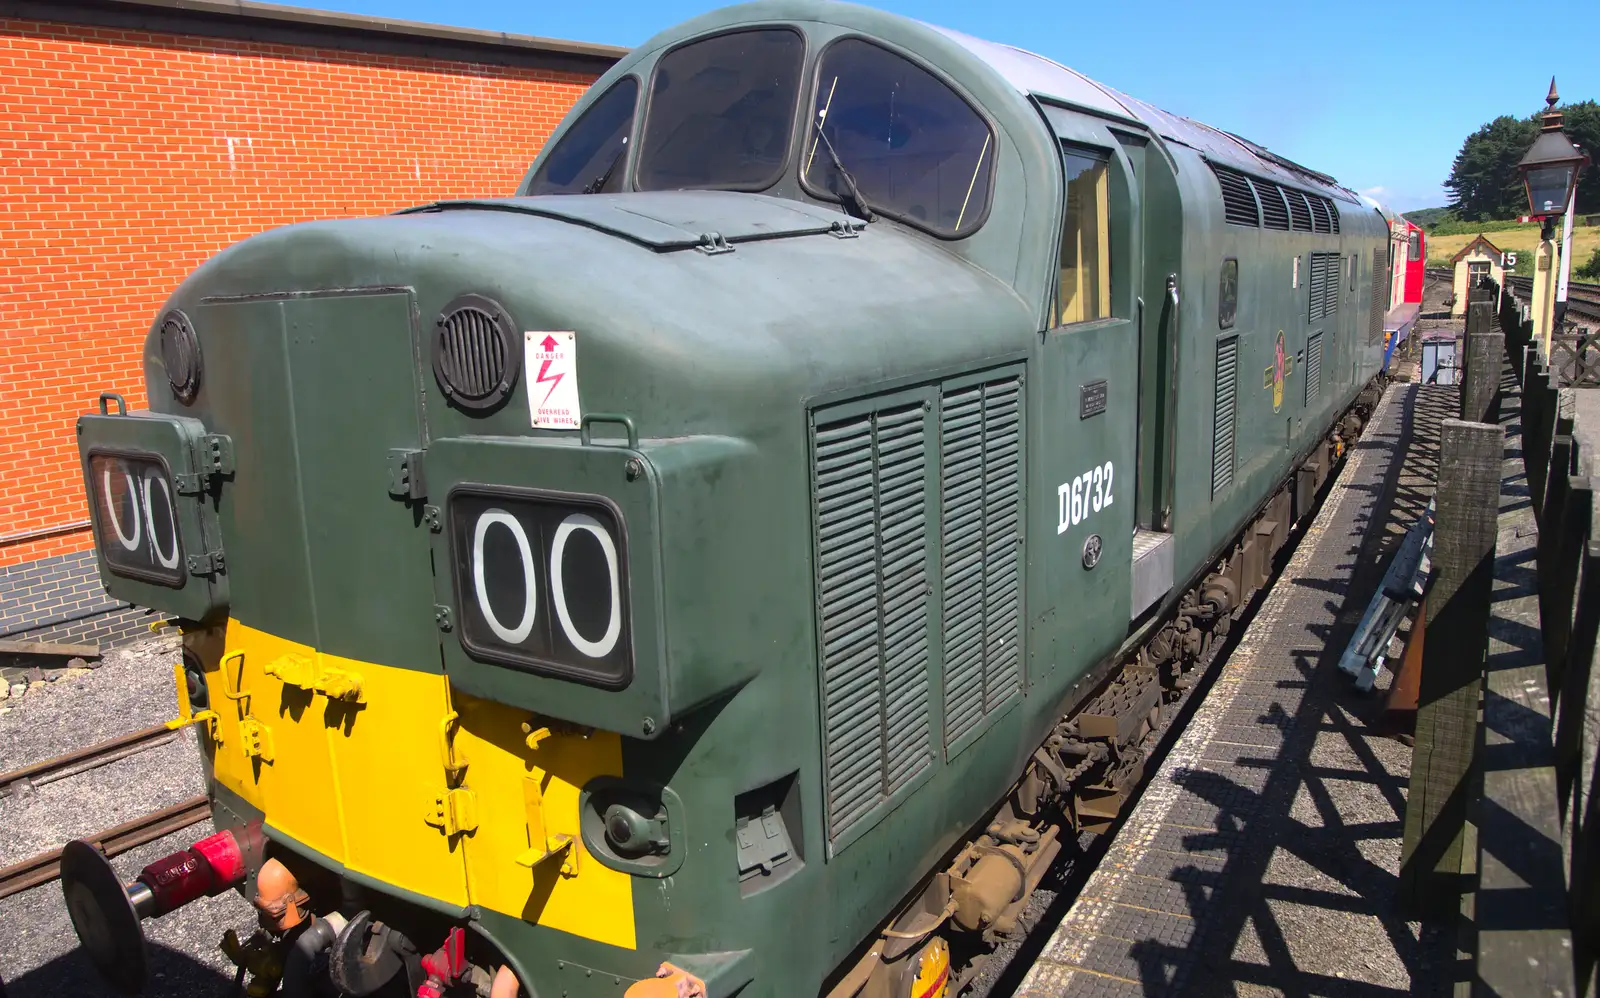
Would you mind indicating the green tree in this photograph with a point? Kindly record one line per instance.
(1484, 182)
(1581, 122)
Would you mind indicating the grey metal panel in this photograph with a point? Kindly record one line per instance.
(1154, 560)
(1313, 368)
(870, 482)
(1034, 74)
(1224, 414)
(981, 528)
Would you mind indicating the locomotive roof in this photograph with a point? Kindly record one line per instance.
(1031, 73)
(1027, 73)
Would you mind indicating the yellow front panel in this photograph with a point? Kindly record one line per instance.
(353, 781)
(597, 902)
(389, 765)
(293, 781)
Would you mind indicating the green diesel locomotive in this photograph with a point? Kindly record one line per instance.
(740, 561)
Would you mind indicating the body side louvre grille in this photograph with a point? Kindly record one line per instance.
(1224, 415)
(870, 483)
(1333, 213)
(1313, 368)
(1325, 273)
(1238, 199)
(1274, 210)
(981, 531)
(1299, 208)
(1320, 222)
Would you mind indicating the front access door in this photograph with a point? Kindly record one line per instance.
(1087, 412)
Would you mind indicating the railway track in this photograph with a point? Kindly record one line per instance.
(1583, 299)
(46, 866)
(85, 759)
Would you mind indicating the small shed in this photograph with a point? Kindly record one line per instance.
(1479, 258)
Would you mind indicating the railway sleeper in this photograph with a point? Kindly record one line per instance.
(1093, 761)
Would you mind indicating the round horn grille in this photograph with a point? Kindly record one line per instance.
(180, 352)
(475, 353)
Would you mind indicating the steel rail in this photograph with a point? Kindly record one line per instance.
(46, 866)
(84, 759)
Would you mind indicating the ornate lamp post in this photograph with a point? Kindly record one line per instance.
(1550, 176)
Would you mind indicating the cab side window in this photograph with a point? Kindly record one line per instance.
(1083, 292)
(1415, 251)
(589, 158)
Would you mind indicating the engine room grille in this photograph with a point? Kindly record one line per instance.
(1224, 414)
(1313, 368)
(1274, 210)
(981, 532)
(1320, 222)
(1261, 203)
(1238, 200)
(870, 481)
(1300, 208)
(1333, 214)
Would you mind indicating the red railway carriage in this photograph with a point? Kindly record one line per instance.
(1416, 256)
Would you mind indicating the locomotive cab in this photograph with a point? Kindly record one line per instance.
(670, 568)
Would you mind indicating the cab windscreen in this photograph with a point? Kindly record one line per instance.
(541, 584)
(135, 522)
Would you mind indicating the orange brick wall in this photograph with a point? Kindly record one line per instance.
(127, 158)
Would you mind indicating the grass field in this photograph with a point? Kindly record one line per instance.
(1521, 240)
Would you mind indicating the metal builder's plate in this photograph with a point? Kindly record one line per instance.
(1092, 399)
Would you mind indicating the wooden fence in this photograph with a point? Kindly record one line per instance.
(1560, 427)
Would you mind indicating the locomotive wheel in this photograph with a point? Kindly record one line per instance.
(103, 917)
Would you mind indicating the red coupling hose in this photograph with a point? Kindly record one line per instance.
(210, 866)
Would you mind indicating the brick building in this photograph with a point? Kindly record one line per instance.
(140, 137)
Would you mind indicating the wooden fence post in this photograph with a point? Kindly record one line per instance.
(1485, 354)
(1467, 515)
(1581, 804)
(1581, 639)
(1563, 528)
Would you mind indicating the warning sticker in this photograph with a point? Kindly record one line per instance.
(552, 366)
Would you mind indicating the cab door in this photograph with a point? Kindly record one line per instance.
(1086, 414)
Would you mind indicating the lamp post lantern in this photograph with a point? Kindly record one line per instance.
(1550, 176)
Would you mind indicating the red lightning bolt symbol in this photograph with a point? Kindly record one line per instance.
(549, 344)
(554, 381)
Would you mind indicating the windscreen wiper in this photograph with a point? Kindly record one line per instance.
(862, 210)
(594, 186)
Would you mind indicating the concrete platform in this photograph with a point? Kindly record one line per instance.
(1262, 856)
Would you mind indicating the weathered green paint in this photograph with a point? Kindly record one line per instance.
(316, 366)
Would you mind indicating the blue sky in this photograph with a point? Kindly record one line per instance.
(1380, 95)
